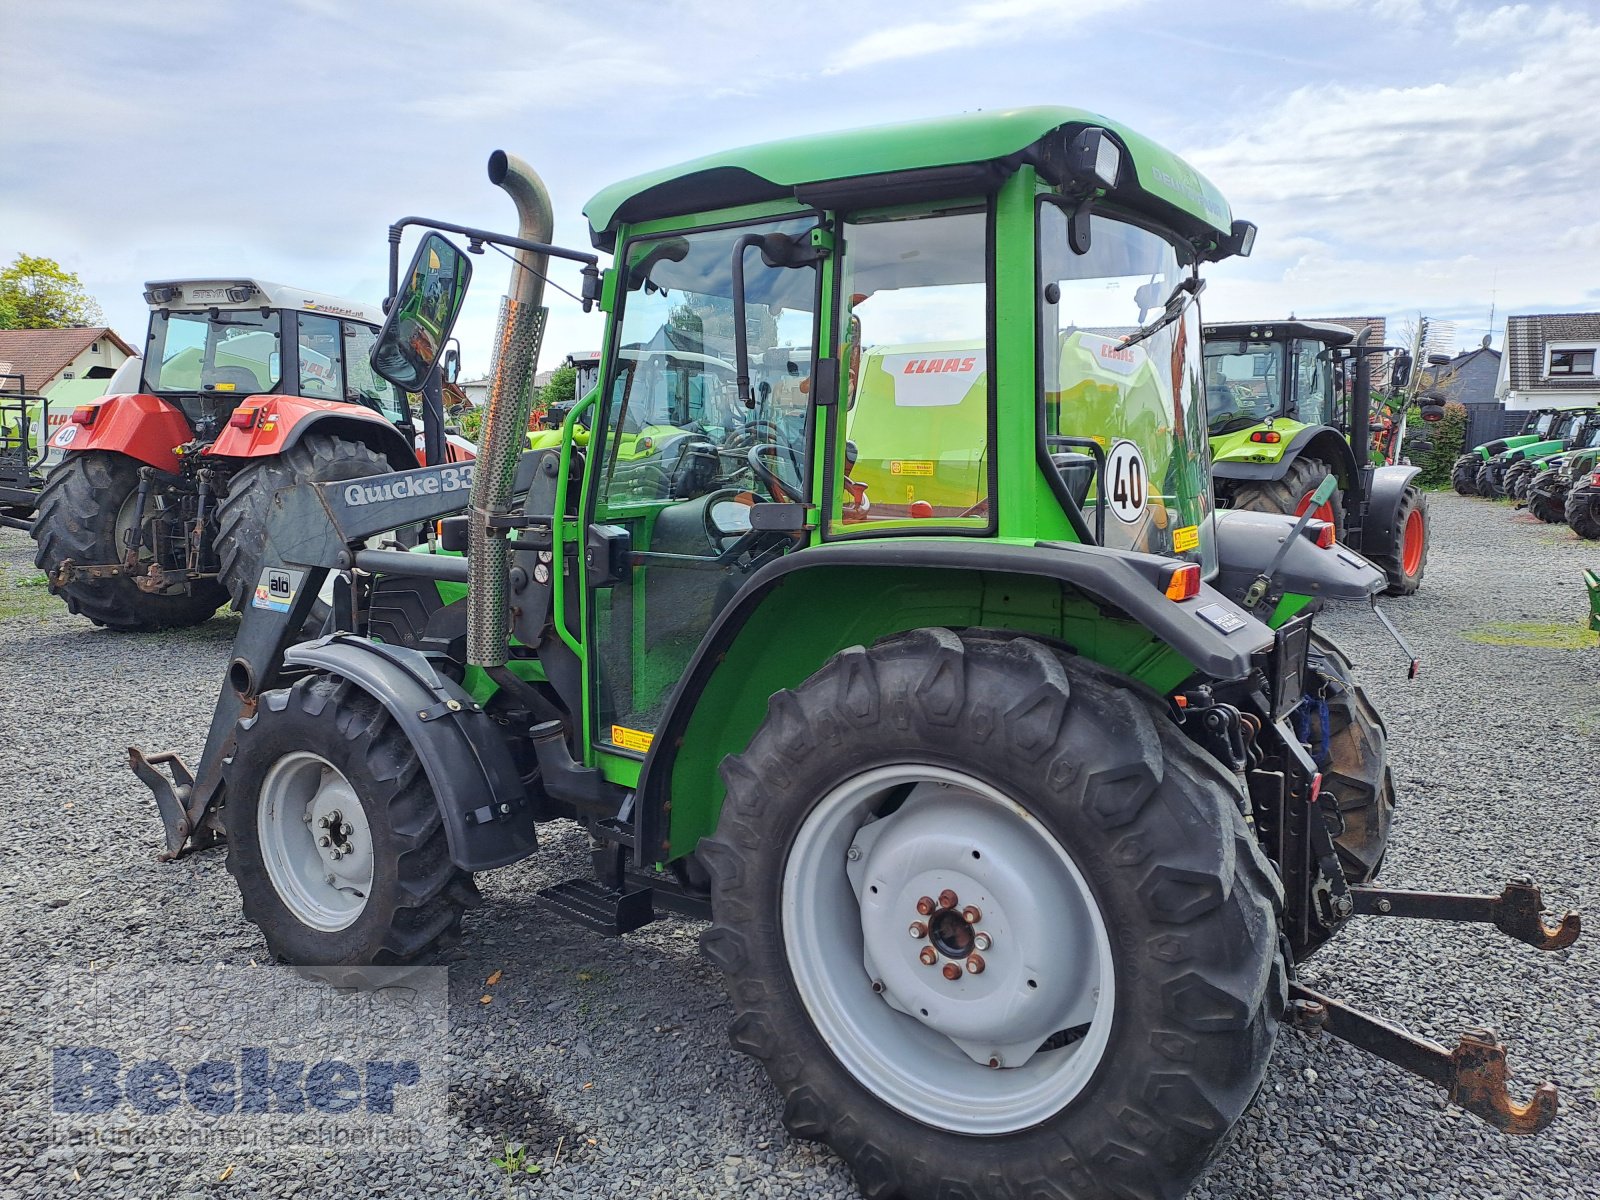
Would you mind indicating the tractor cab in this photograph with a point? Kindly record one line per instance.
(1262, 374)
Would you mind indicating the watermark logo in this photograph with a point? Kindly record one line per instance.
(269, 1058)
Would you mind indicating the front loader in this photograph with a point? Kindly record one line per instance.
(1011, 820)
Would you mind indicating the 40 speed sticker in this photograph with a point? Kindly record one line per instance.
(1127, 483)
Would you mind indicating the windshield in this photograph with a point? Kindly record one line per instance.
(1141, 406)
(1244, 383)
(234, 352)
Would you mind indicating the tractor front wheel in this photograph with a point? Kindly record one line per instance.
(1518, 476)
(1292, 493)
(86, 515)
(334, 836)
(1583, 511)
(243, 513)
(1464, 475)
(982, 909)
(1407, 558)
(1486, 482)
(1547, 499)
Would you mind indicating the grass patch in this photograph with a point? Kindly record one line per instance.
(1535, 635)
(26, 593)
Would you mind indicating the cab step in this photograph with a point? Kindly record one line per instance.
(591, 904)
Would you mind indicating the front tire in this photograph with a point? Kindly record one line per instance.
(1464, 475)
(1406, 561)
(1292, 493)
(1583, 511)
(1547, 501)
(324, 761)
(87, 505)
(1518, 475)
(1133, 975)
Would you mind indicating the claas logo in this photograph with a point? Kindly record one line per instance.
(927, 366)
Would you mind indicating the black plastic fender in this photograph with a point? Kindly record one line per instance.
(488, 821)
(1329, 445)
(1380, 533)
(1248, 541)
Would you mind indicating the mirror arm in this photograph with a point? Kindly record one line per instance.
(741, 343)
(480, 236)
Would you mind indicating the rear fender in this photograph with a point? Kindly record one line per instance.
(141, 426)
(281, 421)
(1318, 441)
(1380, 534)
(461, 748)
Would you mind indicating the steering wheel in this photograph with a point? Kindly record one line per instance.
(775, 486)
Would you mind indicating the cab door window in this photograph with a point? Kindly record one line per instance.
(321, 358)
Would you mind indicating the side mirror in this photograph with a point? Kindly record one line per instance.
(452, 364)
(423, 313)
(1400, 370)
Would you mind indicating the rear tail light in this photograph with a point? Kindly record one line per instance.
(1594, 480)
(243, 418)
(1320, 532)
(1268, 436)
(1182, 582)
(85, 414)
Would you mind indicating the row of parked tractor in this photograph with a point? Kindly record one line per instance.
(1551, 468)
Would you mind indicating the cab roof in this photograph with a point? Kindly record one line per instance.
(1326, 332)
(263, 293)
(951, 156)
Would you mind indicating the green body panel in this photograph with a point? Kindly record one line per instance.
(1535, 450)
(1290, 606)
(969, 138)
(1511, 443)
(1236, 447)
(814, 614)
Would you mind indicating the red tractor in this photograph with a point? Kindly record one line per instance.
(153, 516)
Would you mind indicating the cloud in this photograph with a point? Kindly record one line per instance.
(972, 26)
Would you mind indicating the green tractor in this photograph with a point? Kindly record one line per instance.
(1495, 471)
(1550, 480)
(1582, 504)
(1011, 820)
(1464, 473)
(1279, 424)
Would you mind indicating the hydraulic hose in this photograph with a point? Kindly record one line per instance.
(505, 421)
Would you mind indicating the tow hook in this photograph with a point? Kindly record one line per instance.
(1518, 911)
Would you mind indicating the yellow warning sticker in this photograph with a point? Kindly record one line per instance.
(631, 739)
(1186, 538)
(906, 466)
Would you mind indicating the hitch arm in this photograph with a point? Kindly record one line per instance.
(1474, 1074)
(1518, 911)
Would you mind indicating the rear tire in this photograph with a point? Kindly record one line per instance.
(1464, 475)
(320, 747)
(1583, 511)
(1547, 501)
(85, 505)
(1125, 817)
(243, 513)
(1407, 561)
(1485, 482)
(1518, 475)
(1288, 494)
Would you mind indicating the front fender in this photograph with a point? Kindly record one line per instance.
(281, 421)
(461, 750)
(1248, 541)
(1381, 532)
(141, 426)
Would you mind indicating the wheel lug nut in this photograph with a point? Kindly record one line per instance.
(948, 899)
(925, 905)
(971, 915)
(975, 964)
(929, 955)
(980, 940)
(877, 986)
(324, 842)
(918, 930)
(952, 972)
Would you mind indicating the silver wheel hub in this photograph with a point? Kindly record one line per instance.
(948, 950)
(315, 841)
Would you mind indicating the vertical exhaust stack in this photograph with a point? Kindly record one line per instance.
(510, 405)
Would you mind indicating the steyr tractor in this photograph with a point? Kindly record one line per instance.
(153, 516)
(1011, 820)
(1280, 423)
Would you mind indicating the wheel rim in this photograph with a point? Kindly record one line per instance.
(996, 1048)
(146, 557)
(1412, 543)
(305, 800)
(1324, 511)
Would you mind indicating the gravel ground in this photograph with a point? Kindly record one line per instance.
(614, 1052)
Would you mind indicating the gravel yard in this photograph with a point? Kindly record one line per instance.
(615, 1052)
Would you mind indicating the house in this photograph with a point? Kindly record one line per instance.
(47, 357)
(1550, 362)
(1470, 379)
(1379, 327)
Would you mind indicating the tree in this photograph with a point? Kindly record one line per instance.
(562, 388)
(36, 293)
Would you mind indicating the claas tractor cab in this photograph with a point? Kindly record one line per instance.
(1281, 420)
(1502, 473)
(1535, 428)
(1010, 821)
(152, 515)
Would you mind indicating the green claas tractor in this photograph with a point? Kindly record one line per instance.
(1551, 437)
(1551, 478)
(1280, 423)
(1010, 817)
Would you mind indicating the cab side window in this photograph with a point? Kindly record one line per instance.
(321, 358)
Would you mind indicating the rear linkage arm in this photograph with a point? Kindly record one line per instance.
(1474, 1074)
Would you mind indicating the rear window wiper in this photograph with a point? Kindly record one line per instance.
(1183, 294)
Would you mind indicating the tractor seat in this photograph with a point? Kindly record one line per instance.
(242, 379)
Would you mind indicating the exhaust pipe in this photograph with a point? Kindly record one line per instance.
(505, 420)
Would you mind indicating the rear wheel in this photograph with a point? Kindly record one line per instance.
(1292, 493)
(243, 513)
(982, 911)
(334, 836)
(1583, 511)
(1464, 474)
(1518, 476)
(1547, 500)
(87, 508)
(1353, 755)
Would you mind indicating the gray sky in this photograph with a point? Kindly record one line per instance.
(1398, 155)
